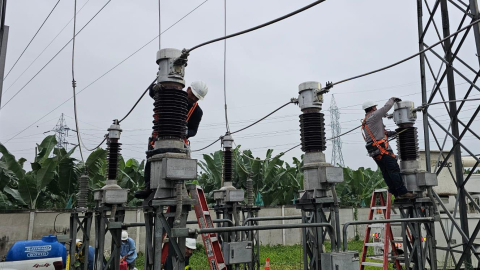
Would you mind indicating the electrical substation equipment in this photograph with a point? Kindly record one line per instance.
(110, 203)
(249, 214)
(420, 246)
(80, 221)
(415, 180)
(228, 205)
(170, 166)
(319, 193)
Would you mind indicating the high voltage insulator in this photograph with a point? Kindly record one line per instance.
(82, 197)
(170, 113)
(113, 150)
(312, 132)
(407, 143)
(227, 142)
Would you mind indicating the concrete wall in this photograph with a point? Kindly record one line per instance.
(33, 225)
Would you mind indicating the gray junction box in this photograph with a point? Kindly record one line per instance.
(237, 252)
(340, 261)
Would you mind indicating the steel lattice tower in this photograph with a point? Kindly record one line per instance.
(61, 132)
(337, 156)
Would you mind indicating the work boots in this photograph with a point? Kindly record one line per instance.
(408, 196)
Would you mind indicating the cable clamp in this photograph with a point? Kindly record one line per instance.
(326, 89)
(294, 101)
(182, 59)
(74, 83)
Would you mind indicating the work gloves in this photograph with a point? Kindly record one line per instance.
(391, 133)
(396, 99)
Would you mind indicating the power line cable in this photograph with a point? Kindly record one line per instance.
(121, 62)
(330, 85)
(136, 103)
(41, 53)
(74, 83)
(261, 119)
(256, 27)
(54, 56)
(32, 39)
(227, 126)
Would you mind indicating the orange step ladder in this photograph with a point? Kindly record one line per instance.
(385, 207)
(210, 240)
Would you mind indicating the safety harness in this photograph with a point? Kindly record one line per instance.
(375, 143)
(190, 112)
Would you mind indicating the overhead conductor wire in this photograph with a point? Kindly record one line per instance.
(330, 85)
(74, 83)
(53, 57)
(257, 27)
(44, 49)
(107, 72)
(48, 16)
(225, 68)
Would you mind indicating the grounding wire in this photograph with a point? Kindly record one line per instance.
(121, 62)
(44, 49)
(330, 85)
(159, 26)
(227, 126)
(74, 83)
(54, 56)
(32, 39)
(256, 27)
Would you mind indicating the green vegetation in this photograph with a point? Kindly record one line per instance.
(52, 181)
(281, 257)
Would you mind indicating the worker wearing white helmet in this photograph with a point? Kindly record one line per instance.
(190, 246)
(128, 251)
(376, 138)
(195, 92)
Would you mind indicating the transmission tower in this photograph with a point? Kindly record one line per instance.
(337, 157)
(61, 132)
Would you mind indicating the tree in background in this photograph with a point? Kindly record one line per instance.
(52, 181)
(274, 180)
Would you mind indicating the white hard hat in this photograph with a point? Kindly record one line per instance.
(191, 243)
(78, 240)
(199, 89)
(124, 235)
(368, 104)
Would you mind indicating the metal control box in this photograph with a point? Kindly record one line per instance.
(340, 260)
(426, 179)
(179, 169)
(111, 196)
(237, 195)
(331, 174)
(237, 252)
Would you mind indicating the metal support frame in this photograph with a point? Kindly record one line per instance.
(437, 26)
(250, 218)
(314, 238)
(80, 221)
(419, 250)
(108, 219)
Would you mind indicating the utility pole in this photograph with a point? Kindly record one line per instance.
(3, 44)
(337, 156)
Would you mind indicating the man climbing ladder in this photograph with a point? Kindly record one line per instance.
(376, 138)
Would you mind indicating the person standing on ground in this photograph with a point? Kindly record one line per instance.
(195, 92)
(376, 138)
(128, 252)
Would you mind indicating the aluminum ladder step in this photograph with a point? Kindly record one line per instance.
(377, 244)
(372, 264)
(380, 190)
(379, 207)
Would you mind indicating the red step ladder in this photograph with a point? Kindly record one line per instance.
(210, 240)
(385, 207)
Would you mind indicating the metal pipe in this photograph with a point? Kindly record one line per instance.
(139, 224)
(337, 218)
(401, 220)
(270, 218)
(259, 228)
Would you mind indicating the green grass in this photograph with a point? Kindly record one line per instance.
(281, 257)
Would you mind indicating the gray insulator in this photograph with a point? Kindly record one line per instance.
(83, 191)
(250, 195)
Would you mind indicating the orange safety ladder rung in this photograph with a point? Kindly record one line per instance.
(385, 207)
(210, 240)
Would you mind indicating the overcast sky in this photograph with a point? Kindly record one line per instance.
(329, 42)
